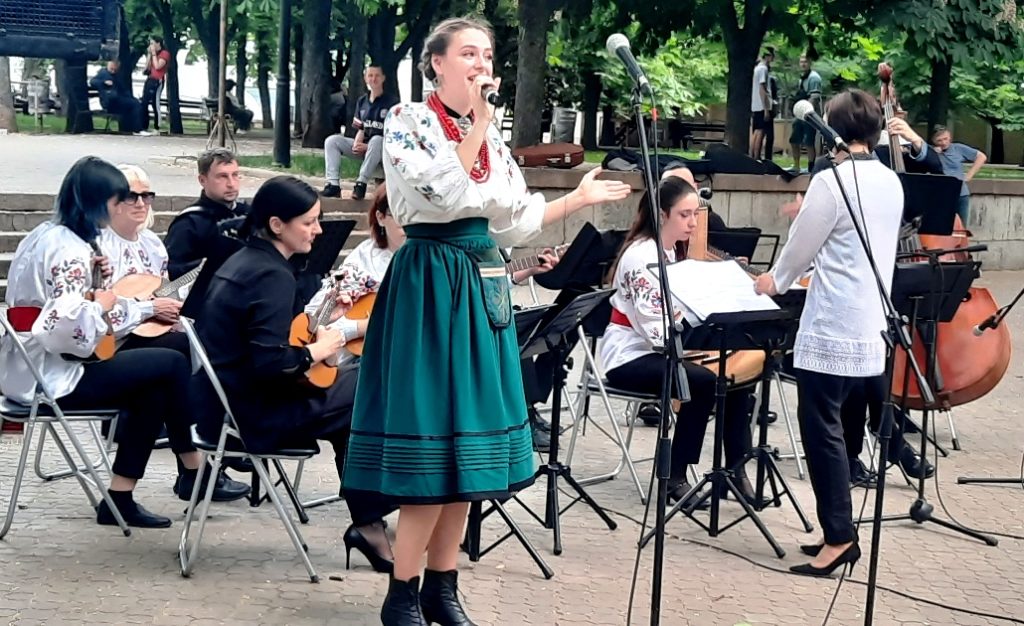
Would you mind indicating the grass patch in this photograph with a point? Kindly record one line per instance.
(54, 125)
(303, 163)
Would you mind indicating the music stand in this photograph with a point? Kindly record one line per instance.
(527, 321)
(586, 261)
(934, 202)
(929, 293)
(555, 335)
(724, 332)
(327, 246)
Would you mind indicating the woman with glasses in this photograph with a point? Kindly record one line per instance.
(61, 315)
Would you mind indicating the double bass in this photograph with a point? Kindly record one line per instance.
(967, 366)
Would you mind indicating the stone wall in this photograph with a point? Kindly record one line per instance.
(997, 210)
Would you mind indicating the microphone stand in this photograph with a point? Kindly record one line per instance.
(993, 323)
(674, 376)
(895, 333)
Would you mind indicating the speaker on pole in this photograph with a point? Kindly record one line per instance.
(73, 30)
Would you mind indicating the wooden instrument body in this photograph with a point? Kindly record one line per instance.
(142, 287)
(361, 310)
(107, 345)
(969, 366)
(301, 334)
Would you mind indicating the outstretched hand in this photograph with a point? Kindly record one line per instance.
(593, 191)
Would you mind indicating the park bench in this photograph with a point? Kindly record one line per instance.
(682, 133)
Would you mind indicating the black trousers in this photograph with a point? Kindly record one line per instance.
(821, 398)
(868, 396)
(150, 101)
(329, 418)
(150, 386)
(130, 111)
(645, 374)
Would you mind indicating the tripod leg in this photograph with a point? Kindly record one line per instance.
(471, 544)
(992, 541)
(590, 501)
(752, 514)
(952, 430)
(548, 573)
(551, 512)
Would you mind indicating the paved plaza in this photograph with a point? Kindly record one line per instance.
(58, 567)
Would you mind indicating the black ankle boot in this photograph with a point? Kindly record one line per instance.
(402, 604)
(440, 599)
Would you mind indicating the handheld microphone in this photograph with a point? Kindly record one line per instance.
(988, 323)
(804, 110)
(490, 93)
(618, 45)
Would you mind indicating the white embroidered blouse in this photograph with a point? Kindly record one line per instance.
(428, 184)
(145, 255)
(359, 275)
(842, 321)
(638, 297)
(52, 270)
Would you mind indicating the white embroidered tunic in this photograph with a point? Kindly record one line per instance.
(428, 184)
(842, 322)
(638, 297)
(360, 275)
(145, 255)
(52, 269)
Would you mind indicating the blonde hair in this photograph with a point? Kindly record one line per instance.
(136, 174)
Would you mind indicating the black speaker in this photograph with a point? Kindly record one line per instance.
(74, 30)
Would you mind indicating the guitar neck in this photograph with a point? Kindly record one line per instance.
(525, 263)
(185, 279)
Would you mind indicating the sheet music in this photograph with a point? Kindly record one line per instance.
(707, 287)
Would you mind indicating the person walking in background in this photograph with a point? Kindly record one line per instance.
(760, 103)
(953, 156)
(809, 89)
(157, 60)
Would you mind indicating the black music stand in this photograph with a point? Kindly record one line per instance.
(555, 334)
(748, 330)
(328, 245)
(587, 260)
(932, 200)
(527, 321)
(930, 293)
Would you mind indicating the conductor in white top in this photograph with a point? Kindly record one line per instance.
(840, 338)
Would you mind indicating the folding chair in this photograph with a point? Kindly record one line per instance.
(45, 411)
(229, 444)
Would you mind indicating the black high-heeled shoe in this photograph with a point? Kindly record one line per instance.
(811, 549)
(355, 539)
(850, 555)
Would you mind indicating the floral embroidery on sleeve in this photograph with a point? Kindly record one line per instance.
(70, 275)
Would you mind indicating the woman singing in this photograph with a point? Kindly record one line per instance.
(840, 342)
(440, 418)
(636, 329)
(49, 281)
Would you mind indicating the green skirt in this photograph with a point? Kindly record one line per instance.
(440, 414)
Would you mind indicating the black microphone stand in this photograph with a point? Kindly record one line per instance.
(895, 333)
(674, 376)
(992, 323)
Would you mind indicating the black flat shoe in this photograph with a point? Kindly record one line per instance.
(225, 489)
(747, 491)
(861, 476)
(402, 604)
(134, 515)
(678, 490)
(914, 464)
(811, 549)
(439, 599)
(239, 464)
(850, 555)
(355, 539)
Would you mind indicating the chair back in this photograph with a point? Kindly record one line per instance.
(22, 350)
(200, 357)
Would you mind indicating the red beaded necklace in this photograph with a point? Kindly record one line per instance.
(482, 167)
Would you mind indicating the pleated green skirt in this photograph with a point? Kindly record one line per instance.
(440, 414)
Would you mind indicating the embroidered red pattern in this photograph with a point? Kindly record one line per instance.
(482, 167)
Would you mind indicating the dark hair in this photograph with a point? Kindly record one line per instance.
(670, 191)
(229, 84)
(217, 155)
(380, 203)
(81, 203)
(938, 129)
(768, 51)
(158, 39)
(283, 197)
(438, 40)
(376, 65)
(856, 116)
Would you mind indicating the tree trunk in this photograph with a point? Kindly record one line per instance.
(381, 43)
(172, 43)
(356, 64)
(299, 125)
(938, 101)
(241, 65)
(591, 101)
(533, 44)
(416, 78)
(8, 120)
(737, 106)
(59, 70)
(263, 68)
(316, 75)
(74, 93)
(31, 68)
(997, 153)
(206, 20)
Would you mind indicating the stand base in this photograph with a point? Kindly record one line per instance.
(471, 544)
(921, 512)
(553, 471)
(967, 480)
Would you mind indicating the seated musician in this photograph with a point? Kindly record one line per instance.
(61, 328)
(244, 326)
(133, 248)
(628, 348)
(840, 342)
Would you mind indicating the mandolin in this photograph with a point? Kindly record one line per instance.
(303, 332)
(148, 286)
(107, 346)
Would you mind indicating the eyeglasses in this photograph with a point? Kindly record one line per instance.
(133, 197)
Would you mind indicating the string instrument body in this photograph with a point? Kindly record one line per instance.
(303, 332)
(107, 345)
